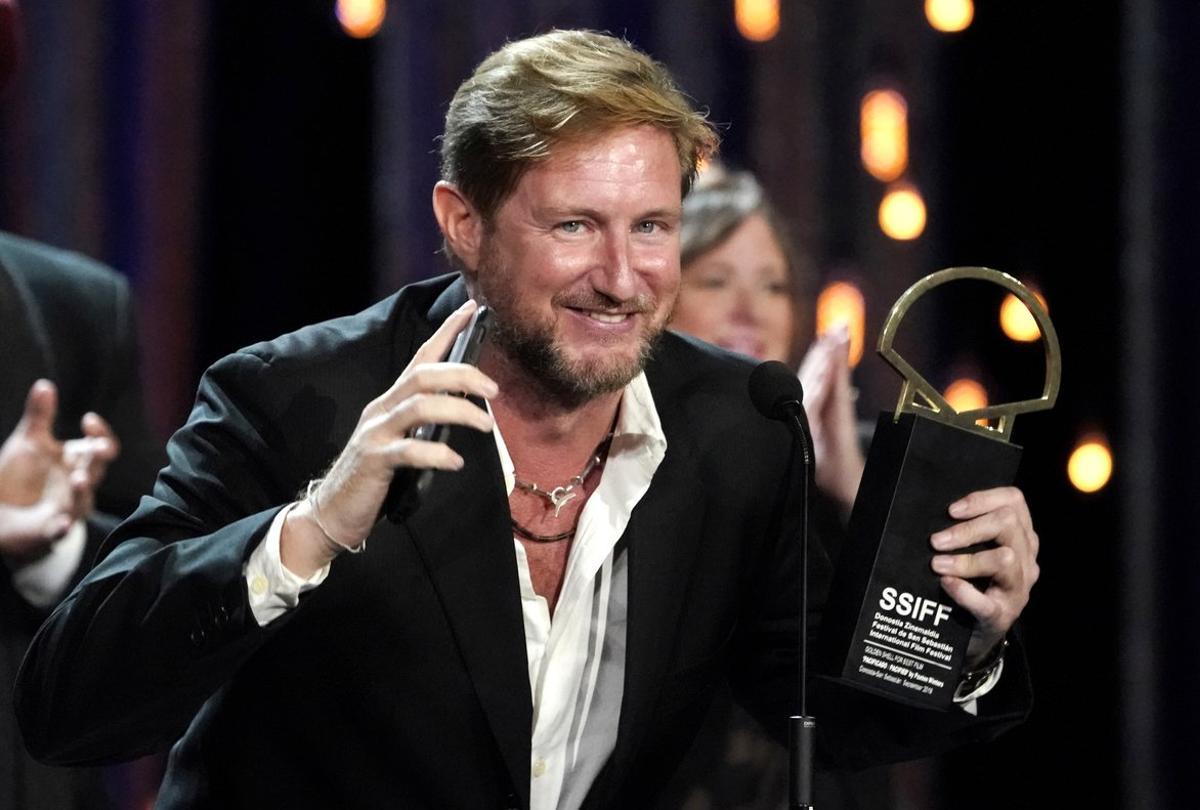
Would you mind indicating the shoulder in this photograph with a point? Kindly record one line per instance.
(60, 275)
(385, 334)
(321, 376)
(702, 397)
(698, 378)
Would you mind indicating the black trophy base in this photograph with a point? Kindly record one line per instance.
(889, 627)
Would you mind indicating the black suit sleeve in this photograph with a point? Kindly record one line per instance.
(125, 662)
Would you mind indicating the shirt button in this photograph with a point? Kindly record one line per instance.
(258, 585)
(539, 767)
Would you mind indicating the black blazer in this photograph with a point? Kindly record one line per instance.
(402, 680)
(69, 319)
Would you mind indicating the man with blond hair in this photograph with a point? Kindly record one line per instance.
(609, 533)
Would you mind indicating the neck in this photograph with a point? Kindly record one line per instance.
(533, 421)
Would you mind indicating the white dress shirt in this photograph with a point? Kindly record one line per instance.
(43, 581)
(577, 661)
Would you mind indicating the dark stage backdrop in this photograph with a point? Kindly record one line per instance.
(252, 169)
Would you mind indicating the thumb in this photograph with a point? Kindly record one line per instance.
(41, 407)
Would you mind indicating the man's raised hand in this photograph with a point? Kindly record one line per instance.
(349, 497)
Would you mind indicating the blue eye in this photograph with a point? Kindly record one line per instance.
(646, 227)
(571, 226)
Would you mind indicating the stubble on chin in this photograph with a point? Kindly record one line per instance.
(533, 348)
(531, 345)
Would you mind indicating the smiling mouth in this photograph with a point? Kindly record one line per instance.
(603, 317)
(607, 317)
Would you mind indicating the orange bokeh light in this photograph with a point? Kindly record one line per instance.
(965, 394)
(361, 18)
(1017, 321)
(902, 212)
(950, 16)
(1091, 464)
(757, 20)
(883, 126)
(842, 303)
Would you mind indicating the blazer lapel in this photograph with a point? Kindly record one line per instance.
(661, 543)
(462, 532)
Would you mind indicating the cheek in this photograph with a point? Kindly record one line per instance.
(700, 313)
(781, 324)
(781, 315)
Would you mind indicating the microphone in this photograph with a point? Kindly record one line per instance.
(777, 393)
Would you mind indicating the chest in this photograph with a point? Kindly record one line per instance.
(546, 530)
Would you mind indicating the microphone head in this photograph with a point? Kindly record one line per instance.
(773, 388)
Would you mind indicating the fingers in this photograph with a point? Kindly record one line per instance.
(384, 442)
(988, 611)
(840, 363)
(815, 374)
(420, 454)
(999, 563)
(995, 514)
(1009, 569)
(96, 427)
(41, 407)
(429, 378)
(439, 409)
(825, 373)
(83, 493)
(427, 373)
(988, 500)
(90, 457)
(438, 345)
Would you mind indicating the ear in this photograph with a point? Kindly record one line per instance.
(461, 224)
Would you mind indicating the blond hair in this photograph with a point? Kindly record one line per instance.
(560, 86)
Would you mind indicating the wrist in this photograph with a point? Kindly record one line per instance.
(336, 541)
(974, 677)
(303, 549)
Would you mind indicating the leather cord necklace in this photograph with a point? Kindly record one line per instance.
(559, 496)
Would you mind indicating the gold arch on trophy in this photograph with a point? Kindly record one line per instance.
(918, 396)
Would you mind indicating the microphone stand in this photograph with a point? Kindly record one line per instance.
(802, 728)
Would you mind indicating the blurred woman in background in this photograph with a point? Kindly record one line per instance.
(746, 289)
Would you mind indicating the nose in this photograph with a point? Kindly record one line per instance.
(614, 276)
(746, 303)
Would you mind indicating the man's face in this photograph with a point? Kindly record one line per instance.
(581, 263)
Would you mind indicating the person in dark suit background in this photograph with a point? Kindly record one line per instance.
(70, 368)
(69, 359)
(601, 545)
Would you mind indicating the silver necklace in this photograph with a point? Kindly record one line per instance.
(560, 495)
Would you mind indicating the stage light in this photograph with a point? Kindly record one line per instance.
(1017, 321)
(361, 18)
(842, 303)
(949, 16)
(757, 20)
(965, 394)
(883, 124)
(1090, 465)
(902, 212)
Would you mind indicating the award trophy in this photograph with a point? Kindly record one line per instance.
(889, 628)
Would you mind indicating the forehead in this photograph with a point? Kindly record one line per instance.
(752, 241)
(631, 166)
